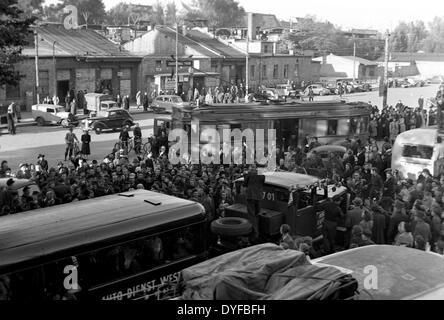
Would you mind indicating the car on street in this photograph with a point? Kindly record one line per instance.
(318, 89)
(325, 150)
(53, 114)
(435, 80)
(113, 119)
(287, 91)
(165, 103)
(269, 94)
(20, 184)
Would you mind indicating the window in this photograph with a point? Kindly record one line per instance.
(275, 71)
(264, 71)
(12, 92)
(158, 64)
(286, 67)
(266, 48)
(332, 127)
(343, 127)
(417, 151)
(44, 83)
(371, 72)
(50, 110)
(251, 72)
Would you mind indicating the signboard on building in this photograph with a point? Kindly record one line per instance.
(172, 63)
(170, 84)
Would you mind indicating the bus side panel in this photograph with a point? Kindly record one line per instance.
(158, 284)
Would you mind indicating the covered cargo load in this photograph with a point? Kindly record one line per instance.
(266, 272)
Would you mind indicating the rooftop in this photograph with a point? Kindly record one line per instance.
(74, 43)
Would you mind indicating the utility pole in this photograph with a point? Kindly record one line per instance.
(37, 86)
(177, 61)
(386, 58)
(354, 58)
(247, 72)
(55, 70)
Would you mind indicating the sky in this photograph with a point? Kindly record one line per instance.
(370, 14)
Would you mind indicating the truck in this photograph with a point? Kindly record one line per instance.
(97, 102)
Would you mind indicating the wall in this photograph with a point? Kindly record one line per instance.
(27, 84)
(300, 68)
(428, 69)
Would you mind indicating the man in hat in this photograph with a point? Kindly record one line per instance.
(353, 218)
(254, 184)
(389, 184)
(333, 214)
(24, 172)
(421, 228)
(376, 184)
(42, 162)
(70, 139)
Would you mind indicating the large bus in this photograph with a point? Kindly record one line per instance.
(123, 246)
(329, 121)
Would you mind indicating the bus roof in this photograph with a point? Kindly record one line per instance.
(418, 136)
(45, 231)
(402, 273)
(287, 179)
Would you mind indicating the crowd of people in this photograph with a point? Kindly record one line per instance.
(386, 209)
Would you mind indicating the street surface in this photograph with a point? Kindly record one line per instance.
(29, 141)
(408, 96)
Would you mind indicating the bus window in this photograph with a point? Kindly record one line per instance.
(343, 127)
(417, 151)
(321, 128)
(332, 127)
(141, 255)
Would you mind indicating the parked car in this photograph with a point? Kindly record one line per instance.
(318, 89)
(19, 184)
(113, 119)
(165, 103)
(268, 94)
(435, 80)
(325, 150)
(287, 90)
(53, 114)
(98, 102)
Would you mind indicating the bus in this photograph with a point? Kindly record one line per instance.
(418, 149)
(329, 121)
(131, 245)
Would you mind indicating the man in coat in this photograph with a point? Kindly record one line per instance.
(254, 184)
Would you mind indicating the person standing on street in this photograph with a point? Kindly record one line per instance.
(42, 162)
(310, 94)
(333, 214)
(11, 119)
(138, 99)
(254, 184)
(145, 102)
(86, 140)
(421, 102)
(119, 100)
(137, 139)
(126, 103)
(70, 139)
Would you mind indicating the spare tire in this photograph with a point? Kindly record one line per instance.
(231, 227)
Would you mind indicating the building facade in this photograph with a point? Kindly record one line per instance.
(72, 60)
(349, 67)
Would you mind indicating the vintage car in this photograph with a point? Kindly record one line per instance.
(53, 114)
(166, 103)
(113, 119)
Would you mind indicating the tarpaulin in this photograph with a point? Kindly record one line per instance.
(265, 271)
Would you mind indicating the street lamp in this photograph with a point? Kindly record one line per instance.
(36, 44)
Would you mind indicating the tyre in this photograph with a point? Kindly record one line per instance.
(40, 122)
(65, 123)
(98, 129)
(231, 227)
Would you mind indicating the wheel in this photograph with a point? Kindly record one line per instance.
(98, 129)
(64, 123)
(231, 227)
(321, 93)
(40, 121)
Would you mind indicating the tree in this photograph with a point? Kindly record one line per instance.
(88, 8)
(434, 41)
(126, 13)
(31, 7)
(159, 14)
(171, 13)
(408, 37)
(219, 13)
(14, 31)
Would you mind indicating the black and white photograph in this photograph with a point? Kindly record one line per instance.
(241, 151)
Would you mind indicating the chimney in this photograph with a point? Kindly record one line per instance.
(251, 32)
(324, 58)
